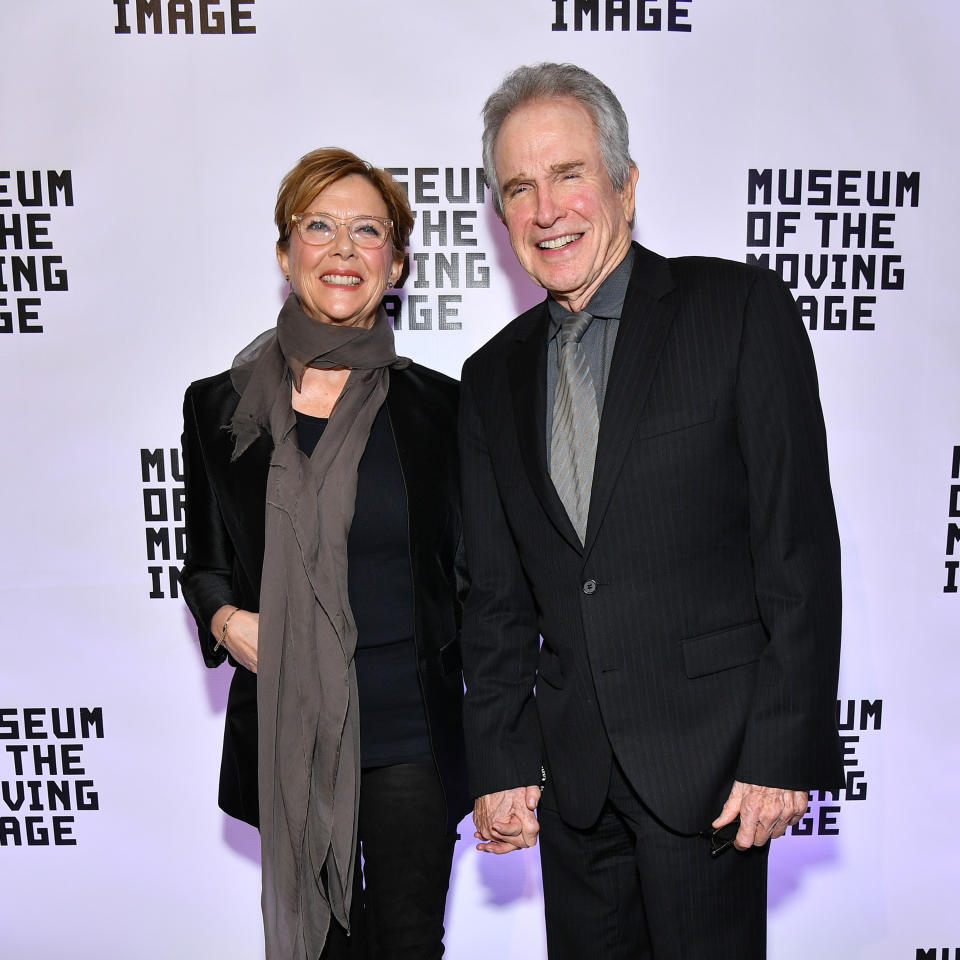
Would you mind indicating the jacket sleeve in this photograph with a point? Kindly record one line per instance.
(206, 579)
(791, 738)
(501, 640)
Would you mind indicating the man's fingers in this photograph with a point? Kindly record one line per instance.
(758, 823)
(731, 808)
(801, 799)
(779, 829)
(746, 835)
(751, 827)
(727, 815)
(498, 847)
(530, 834)
(765, 812)
(509, 828)
(770, 811)
(520, 833)
(493, 846)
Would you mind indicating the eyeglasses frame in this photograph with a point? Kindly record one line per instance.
(297, 219)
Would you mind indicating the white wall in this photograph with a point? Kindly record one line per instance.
(174, 145)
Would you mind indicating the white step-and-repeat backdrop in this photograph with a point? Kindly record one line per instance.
(142, 145)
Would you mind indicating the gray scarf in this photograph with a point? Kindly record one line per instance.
(309, 736)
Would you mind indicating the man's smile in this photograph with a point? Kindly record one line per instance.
(558, 242)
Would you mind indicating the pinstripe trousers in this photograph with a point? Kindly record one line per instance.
(628, 888)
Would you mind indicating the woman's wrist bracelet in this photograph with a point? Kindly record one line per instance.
(223, 630)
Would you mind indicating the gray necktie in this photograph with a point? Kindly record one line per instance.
(573, 443)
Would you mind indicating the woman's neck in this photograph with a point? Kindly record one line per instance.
(319, 391)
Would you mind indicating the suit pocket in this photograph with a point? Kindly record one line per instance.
(675, 420)
(723, 649)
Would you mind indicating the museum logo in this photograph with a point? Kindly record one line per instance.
(29, 264)
(650, 16)
(45, 778)
(161, 472)
(855, 720)
(184, 16)
(831, 235)
(446, 202)
(953, 525)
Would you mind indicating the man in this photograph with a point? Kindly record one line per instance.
(646, 488)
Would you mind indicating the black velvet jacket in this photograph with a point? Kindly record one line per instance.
(225, 541)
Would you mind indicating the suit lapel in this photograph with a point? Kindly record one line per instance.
(417, 453)
(400, 409)
(645, 322)
(241, 484)
(248, 485)
(527, 375)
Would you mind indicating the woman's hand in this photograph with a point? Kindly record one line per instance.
(242, 634)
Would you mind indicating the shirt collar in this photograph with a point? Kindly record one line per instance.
(606, 302)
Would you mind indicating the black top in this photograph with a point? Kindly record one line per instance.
(393, 727)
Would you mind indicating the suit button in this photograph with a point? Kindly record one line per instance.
(590, 587)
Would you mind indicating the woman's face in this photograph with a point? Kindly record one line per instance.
(340, 282)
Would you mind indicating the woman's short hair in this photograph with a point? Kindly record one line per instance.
(546, 81)
(317, 169)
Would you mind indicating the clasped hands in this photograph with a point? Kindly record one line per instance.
(507, 820)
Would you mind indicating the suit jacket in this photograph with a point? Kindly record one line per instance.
(696, 634)
(225, 505)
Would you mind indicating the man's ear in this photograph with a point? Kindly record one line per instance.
(628, 195)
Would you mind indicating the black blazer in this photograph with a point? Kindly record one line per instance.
(225, 506)
(697, 632)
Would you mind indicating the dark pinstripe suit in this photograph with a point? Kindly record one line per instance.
(695, 636)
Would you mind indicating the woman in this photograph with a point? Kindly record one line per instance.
(323, 531)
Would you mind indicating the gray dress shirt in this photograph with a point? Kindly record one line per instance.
(606, 305)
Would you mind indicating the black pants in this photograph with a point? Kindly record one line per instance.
(628, 888)
(398, 904)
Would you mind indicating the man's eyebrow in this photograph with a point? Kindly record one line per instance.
(512, 182)
(555, 169)
(567, 166)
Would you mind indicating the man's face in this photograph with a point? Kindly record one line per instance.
(568, 226)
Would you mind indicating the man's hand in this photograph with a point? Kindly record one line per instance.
(506, 820)
(765, 812)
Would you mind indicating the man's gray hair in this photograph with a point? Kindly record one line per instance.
(545, 81)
